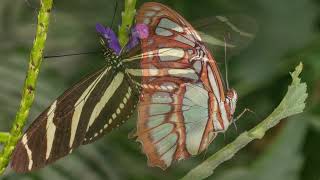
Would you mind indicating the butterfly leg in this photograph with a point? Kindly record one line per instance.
(242, 113)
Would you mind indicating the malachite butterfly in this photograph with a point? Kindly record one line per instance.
(183, 104)
(165, 72)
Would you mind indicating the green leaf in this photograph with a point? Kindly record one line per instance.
(283, 157)
(293, 103)
(285, 153)
(314, 122)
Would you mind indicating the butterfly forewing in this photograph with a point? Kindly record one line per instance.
(117, 103)
(116, 106)
(175, 45)
(53, 133)
(84, 113)
(230, 33)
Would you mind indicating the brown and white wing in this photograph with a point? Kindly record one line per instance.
(175, 120)
(94, 106)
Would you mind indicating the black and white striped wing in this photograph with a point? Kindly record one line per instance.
(94, 106)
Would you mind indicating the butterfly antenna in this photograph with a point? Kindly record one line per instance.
(235, 125)
(72, 54)
(114, 14)
(226, 63)
(205, 154)
(30, 5)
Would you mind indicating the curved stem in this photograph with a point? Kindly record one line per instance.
(28, 91)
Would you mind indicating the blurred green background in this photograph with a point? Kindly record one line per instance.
(289, 32)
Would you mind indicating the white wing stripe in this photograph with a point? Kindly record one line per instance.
(170, 54)
(224, 116)
(213, 84)
(167, 23)
(216, 123)
(185, 40)
(80, 103)
(29, 152)
(114, 85)
(51, 129)
(163, 32)
(187, 73)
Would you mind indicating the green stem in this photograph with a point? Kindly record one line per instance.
(4, 136)
(293, 103)
(28, 91)
(127, 19)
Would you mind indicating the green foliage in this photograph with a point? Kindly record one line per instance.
(283, 157)
(293, 103)
(29, 84)
(287, 33)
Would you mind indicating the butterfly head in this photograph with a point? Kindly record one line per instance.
(109, 38)
(232, 98)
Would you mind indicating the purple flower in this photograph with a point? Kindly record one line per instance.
(138, 32)
(142, 30)
(110, 37)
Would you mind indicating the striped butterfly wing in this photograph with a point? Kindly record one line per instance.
(117, 103)
(55, 132)
(94, 106)
(182, 105)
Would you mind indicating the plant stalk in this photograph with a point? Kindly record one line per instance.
(28, 91)
(127, 19)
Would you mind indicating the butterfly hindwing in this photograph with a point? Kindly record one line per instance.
(175, 121)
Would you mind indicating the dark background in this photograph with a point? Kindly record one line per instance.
(289, 32)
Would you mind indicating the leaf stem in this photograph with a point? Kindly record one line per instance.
(28, 92)
(4, 136)
(127, 19)
(293, 103)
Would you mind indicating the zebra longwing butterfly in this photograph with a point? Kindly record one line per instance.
(165, 71)
(94, 106)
